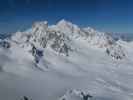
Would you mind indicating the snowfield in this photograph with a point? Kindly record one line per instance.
(65, 62)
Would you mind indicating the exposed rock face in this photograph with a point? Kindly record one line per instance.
(76, 95)
(42, 36)
(39, 31)
(116, 51)
(25, 98)
(37, 54)
(99, 39)
(4, 44)
(59, 43)
(48, 38)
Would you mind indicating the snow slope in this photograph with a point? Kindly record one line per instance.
(65, 62)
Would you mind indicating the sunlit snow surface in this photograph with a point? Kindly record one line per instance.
(87, 68)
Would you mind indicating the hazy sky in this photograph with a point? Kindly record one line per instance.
(104, 15)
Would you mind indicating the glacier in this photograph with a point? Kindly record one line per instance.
(65, 62)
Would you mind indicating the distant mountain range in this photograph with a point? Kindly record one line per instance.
(3, 36)
(123, 36)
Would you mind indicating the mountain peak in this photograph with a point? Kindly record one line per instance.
(39, 24)
(89, 29)
(64, 23)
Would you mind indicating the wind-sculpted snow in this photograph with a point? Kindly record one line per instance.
(65, 62)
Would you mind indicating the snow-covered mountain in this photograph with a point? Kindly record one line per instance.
(59, 37)
(65, 62)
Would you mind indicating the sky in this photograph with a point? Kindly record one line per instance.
(103, 15)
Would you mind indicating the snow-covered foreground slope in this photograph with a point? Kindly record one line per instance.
(45, 63)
